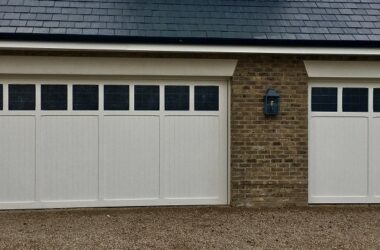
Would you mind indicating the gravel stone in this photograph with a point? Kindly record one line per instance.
(192, 228)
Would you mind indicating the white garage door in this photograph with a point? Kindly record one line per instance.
(75, 143)
(344, 143)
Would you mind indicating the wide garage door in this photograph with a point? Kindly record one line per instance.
(344, 143)
(107, 142)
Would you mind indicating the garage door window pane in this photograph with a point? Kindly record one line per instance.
(85, 97)
(355, 100)
(376, 100)
(147, 97)
(1, 97)
(22, 97)
(116, 97)
(206, 98)
(176, 97)
(324, 99)
(54, 97)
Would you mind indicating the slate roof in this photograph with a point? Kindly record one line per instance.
(215, 21)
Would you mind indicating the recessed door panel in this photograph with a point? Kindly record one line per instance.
(375, 153)
(131, 157)
(68, 158)
(17, 158)
(191, 166)
(339, 157)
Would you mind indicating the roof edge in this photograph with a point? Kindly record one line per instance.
(10, 45)
(187, 41)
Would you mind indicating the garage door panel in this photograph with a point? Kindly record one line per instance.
(339, 156)
(68, 158)
(375, 152)
(17, 158)
(196, 174)
(120, 142)
(131, 157)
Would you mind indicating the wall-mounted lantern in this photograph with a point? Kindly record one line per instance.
(271, 103)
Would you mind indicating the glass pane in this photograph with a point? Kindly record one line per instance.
(324, 99)
(176, 97)
(206, 98)
(54, 97)
(22, 97)
(355, 99)
(376, 100)
(147, 97)
(85, 97)
(1, 97)
(116, 97)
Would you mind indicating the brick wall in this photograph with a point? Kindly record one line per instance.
(269, 155)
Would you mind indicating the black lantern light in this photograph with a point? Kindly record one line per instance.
(271, 103)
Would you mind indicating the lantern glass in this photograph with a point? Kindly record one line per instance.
(271, 103)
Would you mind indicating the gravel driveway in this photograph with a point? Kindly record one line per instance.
(192, 228)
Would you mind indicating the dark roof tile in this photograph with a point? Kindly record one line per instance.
(53, 10)
(38, 30)
(8, 29)
(22, 9)
(18, 23)
(316, 17)
(66, 24)
(70, 10)
(329, 20)
(318, 37)
(333, 37)
(374, 37)
(28, 16)
(34, 23)
(62, 3)
(58, 30)
(12, 15)
(303, 36)
(84, 11)
(374, 19)
(74, 31)
(346, 37)
(37, 9)
(361, 37)
(98, 25)
(24, 29)
(287, 36)
(45, 17)
(90, 31)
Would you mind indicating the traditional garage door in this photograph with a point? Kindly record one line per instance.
(344, 143)
(75, 143)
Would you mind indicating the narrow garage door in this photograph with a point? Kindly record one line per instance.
(75, 143)
(344, 143)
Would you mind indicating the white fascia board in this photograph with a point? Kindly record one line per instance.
(119, 47)
(55, 65)
(343, 69)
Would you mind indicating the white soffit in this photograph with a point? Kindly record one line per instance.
(343, 69)
(52, 65)
(122, 47)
